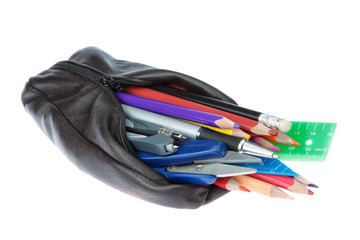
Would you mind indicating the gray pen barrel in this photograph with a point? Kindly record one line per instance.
(187, 129)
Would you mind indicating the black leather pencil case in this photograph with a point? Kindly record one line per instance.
(74, 105)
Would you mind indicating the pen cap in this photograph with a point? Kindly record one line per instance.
(74, 105)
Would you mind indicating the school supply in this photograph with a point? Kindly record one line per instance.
(171, 110)
(266, 119)
(196, 158)
(230, 131)
(192, 131)
(245, 124)
(262, 187)
(285, 182)
(314, 140)
(229, 183)
(197, 151)
(74, 103)
(159, 144)
(271, 166)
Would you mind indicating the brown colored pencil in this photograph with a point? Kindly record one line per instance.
(305, 182)
(262, 187)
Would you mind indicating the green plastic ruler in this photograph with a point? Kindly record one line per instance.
(315, 139)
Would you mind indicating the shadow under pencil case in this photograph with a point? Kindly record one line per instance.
(74, 104)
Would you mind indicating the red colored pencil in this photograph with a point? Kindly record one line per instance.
(229, 183)
(284, 182)
(245, 123)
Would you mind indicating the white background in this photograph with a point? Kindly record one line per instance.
(295, 59)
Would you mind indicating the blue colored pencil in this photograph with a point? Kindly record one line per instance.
(176, 111)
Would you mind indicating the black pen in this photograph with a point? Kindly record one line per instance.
(193, 131)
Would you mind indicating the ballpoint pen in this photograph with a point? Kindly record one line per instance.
(192, 131)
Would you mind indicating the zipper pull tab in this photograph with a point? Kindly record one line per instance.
(108, 81)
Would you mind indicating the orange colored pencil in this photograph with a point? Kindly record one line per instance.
(262, 187)
(282, 138)
(229, 183)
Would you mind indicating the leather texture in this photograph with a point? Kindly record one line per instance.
(85, 122)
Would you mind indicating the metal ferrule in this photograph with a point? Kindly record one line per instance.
(171, 133)
(270, 121)
(255, 150)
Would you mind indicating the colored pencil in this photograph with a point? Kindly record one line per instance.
(230, 131)
(171, 110)
(305, 182)
(285, 182)
(193, 131)
(262, 187)
(229, 183)
(282, 138)
(265, 143)
(266, 119)
(245, 124)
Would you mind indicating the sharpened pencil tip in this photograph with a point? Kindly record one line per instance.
(273, 132)
(275, 156)
(295, 143)
(289, 197)
(313, 185)
(310, 192)
(275, 148)
(244, 189)
(236, 125)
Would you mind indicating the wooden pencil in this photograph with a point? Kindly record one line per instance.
(229, 183)
(285, 182)
(282, 138)
(305, 182)
(265, 143)
(266, 119)
(245, 123)
(230, 131)
(262, 187)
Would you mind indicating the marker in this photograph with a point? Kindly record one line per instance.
(192, 131)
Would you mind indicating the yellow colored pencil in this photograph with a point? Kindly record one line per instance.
(229, 131)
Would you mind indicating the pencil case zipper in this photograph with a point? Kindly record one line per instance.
(110, 84)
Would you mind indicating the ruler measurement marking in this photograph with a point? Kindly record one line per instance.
(315, 140)
(315, 126)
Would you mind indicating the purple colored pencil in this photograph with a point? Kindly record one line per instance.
(176, 111)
